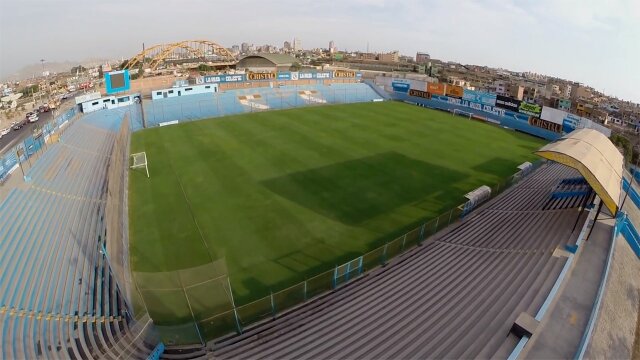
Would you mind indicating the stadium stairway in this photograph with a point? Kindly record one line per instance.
(456, 296)
(58, 298)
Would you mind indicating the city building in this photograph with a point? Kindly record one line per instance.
(244, 47)
(332, 47)
(389, 57)
(297, 44)
(286, 46)
(581, 92)
(367, 56)
(507, 88)
(422, 57)
(564, 104)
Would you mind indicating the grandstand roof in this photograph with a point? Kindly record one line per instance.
(595, 157)
(276, 59)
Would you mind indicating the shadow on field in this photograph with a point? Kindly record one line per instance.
(357, 190)
(496, 166)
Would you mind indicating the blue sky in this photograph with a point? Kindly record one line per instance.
(594, 42)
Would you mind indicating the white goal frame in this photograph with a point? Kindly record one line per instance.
(459, 112)
(142, 163)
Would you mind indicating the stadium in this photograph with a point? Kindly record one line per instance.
(273, 213)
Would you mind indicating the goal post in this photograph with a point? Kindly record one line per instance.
(139, 161)
(462, 113)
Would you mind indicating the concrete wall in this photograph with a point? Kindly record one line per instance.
(184, 91)
(108, 102)
(614, 334)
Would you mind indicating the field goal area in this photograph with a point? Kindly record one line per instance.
(462, 113)
(186, 304)
(139, 160)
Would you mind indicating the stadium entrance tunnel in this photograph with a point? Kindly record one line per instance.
(357, 190)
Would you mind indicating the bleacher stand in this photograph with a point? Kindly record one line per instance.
(58, 297)
(240, 101)
(456, 296)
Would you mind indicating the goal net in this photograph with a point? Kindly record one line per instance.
(140, 161)
(462, 113)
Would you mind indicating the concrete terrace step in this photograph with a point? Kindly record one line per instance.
(50, 259)
(456, 296)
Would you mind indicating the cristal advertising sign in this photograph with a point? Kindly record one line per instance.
(400, 86)
(419, 93)
(544, 124)
(261, 76)
(344, 74)
(530, 109)
(479, 97)
(508, 103)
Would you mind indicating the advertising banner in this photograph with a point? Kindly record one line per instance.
(400, 86)
(479, 97)
(508, 103)
(261, 76)
(455, 91)
(284, 76)
(530, 109)
(472, 105)
(544, 124)
(435, 88)
(314, 75)
(570, 122)
(554, 115)
(419, 93)
(344, 74)
(220, 79)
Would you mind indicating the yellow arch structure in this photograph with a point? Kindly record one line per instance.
(182, 51)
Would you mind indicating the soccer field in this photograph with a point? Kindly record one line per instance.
(284, 195)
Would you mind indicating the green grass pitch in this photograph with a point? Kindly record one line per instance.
(284, 195)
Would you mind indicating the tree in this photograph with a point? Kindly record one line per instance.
(30, 90)
(622, 142)
(295, 66)
(204, 68)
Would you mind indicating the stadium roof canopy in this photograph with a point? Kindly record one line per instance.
(266, 62)
(595, 157)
